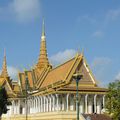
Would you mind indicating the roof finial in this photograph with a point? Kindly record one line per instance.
(78, 50)
(4, 72)
(82, 51)
(43, 27)
(4, 52)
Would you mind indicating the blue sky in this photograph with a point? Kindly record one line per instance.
(70, 25)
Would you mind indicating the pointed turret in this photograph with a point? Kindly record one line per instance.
(43, 58)
(4, 72)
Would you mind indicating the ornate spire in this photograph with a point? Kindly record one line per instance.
(4, 72)
(43, 59)
(43, 28)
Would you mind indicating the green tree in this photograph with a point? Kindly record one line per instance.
(113, 100)
(3, 101)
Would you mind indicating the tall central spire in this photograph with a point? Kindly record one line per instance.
(43, 59)
(43, 28)
(4, 72)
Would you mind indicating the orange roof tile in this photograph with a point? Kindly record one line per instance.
(22, 80)
(29, 73)
(16, 88)
(57, 73)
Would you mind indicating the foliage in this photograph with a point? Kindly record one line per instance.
(113, 100)
(3, 101)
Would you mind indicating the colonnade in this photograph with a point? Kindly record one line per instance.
(88, 103)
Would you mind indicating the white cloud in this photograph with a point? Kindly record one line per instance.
(101, 61)
(62, 56)
(87, 18)
(113, 14)
(13, 72)
(22, 10)
(97, 34)
(101, 68)
(117, 76)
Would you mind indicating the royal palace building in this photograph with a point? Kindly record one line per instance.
(47, 93)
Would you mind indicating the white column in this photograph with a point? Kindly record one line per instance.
(103, 101)
(99, 105)
(26, 106)
(47, 104)
(37, 104)
(71, 102)
(67, 99)
(53, 103)
(12, 108)
(24, 111)
(86, 103)
(15, 108)
(50, 105)
(60, 103)
(18, 106)
(30, 105)
(9, 112)
(63, 103)
(34, 104)
(44, 104)
(81, 105)
(90, 106)
(41, 103)
(57, 102)
(95, 110)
